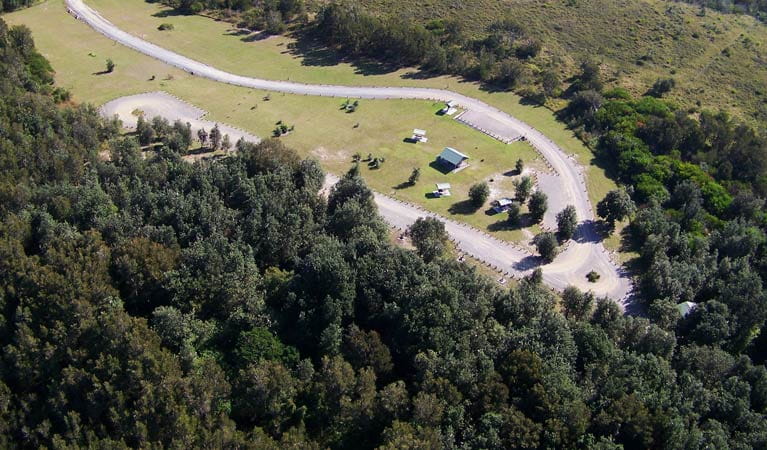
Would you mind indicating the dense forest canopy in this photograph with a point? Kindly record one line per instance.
(146, 301)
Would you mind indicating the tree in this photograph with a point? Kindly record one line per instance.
(478, 194)
(577, 305)
(215, 138)
(110, 65)
(146, 134)
(519, 166)
(514, 215)
(226, 144)
(523, 188)
(546, 244)
(662, 86)
(414, 176)
(616, 206)
(538, 205)
(550, 83)
(567, 221)
(202, 135)
(429, 237)
(590, 77)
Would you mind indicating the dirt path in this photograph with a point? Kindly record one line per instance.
(570, 267)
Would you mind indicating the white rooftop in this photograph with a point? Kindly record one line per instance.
(419, 132)
(443, 186)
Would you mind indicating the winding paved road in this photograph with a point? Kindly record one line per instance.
(570, 267)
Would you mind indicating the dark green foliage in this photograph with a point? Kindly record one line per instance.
(519, 166)
(567, 222)
(662, 86)
(438, 47)
(523, 188)
(478, 194)
(577, 305)
(514, 215)
(414, 176)
(616, 206)
(148, 302)
(546, 243)
(538, 205)
(259, 344)
(429, 237)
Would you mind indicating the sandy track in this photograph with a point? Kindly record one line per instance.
(569, 268)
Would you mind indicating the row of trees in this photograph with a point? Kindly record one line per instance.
(271, 16)
(441, 46)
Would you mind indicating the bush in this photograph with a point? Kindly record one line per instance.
(165, 27)
(592, 276)
(546, 243)
(478, 194)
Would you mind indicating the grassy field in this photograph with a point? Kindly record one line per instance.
(223, 46)
(322, 129)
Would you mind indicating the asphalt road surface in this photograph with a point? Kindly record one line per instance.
(586, 253)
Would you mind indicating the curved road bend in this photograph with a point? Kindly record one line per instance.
(570, 266)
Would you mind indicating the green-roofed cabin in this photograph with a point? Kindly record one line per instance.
(452, 159)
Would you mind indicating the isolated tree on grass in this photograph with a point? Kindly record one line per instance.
(110, 65)
(429, 237)
(414, 176)
(478, 194)
(546, 243)
(616, 206)
(567, 221)
(215, 137)
(514, 215)
(539, 203)
(520, 166)
(523, 187)
(662, 86)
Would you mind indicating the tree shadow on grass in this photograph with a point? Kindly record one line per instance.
(504, 225)
(255, 37)
(464, 207)
(314, 52)
(419, 75)
(170, 13)
(403, 185)
(239, 32)
(102, 72)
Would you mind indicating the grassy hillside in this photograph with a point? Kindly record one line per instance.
(719, 60)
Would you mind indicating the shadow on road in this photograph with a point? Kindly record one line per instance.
(529, 262)
(589, 231)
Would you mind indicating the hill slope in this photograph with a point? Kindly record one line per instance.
(717, 59)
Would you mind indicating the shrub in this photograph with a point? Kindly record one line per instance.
(165, 27)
